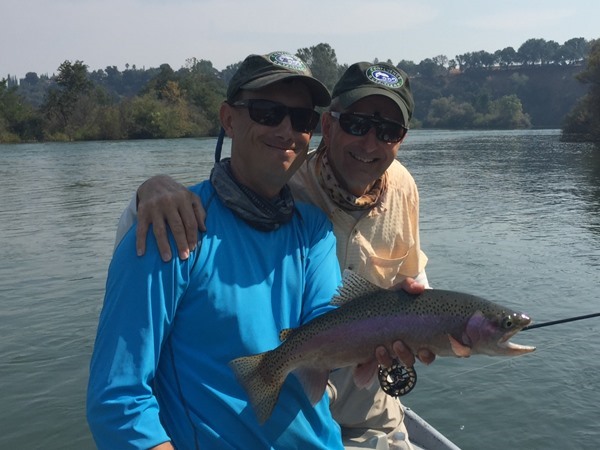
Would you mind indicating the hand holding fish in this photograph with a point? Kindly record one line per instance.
(403, 354)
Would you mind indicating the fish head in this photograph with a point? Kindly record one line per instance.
(489, 332)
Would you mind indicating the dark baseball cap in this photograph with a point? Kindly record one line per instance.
(363, 79)
(259, 71)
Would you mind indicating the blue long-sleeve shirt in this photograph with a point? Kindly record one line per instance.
(168, 330)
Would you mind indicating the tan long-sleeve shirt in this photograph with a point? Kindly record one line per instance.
(382, 245)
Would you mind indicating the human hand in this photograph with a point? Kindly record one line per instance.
(411, 286)
(403, 354)
(164, 446)
(161, 202)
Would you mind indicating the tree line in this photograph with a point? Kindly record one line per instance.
(505, 89)
(583, 122)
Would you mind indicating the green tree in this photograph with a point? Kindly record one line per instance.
(227, 73)
(583, 122)
(18, 120)
(73, 77)
(506, 57)
(31, 78)
(551, 52)
(532, 51)
(408, 66)
(68, 97)
(204, 89)
(201, 66)
(430, 68)
(447, 112)
(441, 60)
(506, 113)
(148, 117)
(476, 60)
(486, 59)
(158, 82)
(323, 63)
(574, 50)
(33, 89)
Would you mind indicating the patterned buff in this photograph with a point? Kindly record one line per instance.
(260, 213)
(338, 194)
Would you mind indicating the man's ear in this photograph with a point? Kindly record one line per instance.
(226, 116)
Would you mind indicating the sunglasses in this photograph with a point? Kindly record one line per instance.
(355, 124)
(271, 114)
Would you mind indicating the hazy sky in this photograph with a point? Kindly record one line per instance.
(38, 35)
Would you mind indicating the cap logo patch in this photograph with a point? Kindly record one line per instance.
(287, 60)
(385, 76)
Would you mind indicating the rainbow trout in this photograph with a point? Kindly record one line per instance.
(445, 322)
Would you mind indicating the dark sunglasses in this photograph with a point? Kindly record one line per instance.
(271, 114)
(359, 124)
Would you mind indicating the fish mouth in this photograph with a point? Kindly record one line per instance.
(511, 347)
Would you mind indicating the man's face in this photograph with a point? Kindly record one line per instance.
(264, 157)
(358, 161)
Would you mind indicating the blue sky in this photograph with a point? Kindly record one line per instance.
(38, 35)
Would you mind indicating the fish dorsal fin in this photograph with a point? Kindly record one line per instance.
(284, 334)
(353, 286)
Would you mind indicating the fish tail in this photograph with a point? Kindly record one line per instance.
(261, 386)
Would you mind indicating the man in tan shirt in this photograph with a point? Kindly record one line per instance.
(372, 201)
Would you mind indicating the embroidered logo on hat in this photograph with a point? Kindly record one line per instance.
(385, 76)
(287, 60)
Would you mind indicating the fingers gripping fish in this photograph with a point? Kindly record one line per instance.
(445, 322)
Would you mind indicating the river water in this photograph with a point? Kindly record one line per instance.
(511, 216)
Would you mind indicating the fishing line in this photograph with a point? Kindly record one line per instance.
(560, 343)
(495, 363)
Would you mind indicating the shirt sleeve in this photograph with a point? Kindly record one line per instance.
(323, 275)
(139, 307)
(128, 217)
(422, 278)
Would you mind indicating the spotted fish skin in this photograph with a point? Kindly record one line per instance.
(447, 323)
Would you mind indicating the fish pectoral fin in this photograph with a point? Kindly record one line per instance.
(314, 382)
(459, 349)
(364, 374)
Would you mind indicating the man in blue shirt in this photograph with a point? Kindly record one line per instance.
(159, 375)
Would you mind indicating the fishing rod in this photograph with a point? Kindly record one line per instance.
(555, 322)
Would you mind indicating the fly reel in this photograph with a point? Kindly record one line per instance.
(397, 380)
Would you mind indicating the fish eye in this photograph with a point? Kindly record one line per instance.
(507, 322)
